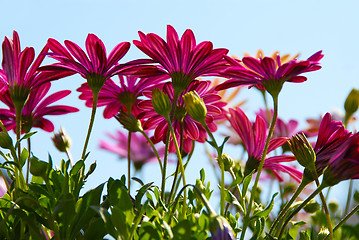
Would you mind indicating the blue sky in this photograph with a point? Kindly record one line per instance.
(241, 26)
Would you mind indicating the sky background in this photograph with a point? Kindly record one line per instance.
(292, 27)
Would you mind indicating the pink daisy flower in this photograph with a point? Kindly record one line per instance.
(141, 151)
(254, 138)
(344, 163)
(35, 109)
(281, 128)
(192, 130)
(124, 95)
(268, 72)
(181, 59)
(20, 72)
(331, 136)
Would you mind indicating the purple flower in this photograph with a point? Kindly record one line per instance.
(122, 96)
(35, 109)
(254, 137)
(141, 151)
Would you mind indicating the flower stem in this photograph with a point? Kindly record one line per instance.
(284, 210)
(316, 192)
(129, 162)
(351, 213)
(221, 165)
(326, 211)
(93, 113)
(261, 164)
(350, 191)
(28, 160)
(178, 152)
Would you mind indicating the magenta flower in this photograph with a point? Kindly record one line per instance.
(331, 136)
(281, 128)
(124, 95)
(192, 130)
(20, 72)
(141, 151)
(182, 59)
(344, 163)
(97, 67)
(254, 137)
(35, 109)
(268, 72)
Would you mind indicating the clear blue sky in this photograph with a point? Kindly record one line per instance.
(241, 26)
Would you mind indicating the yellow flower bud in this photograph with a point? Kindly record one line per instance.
(195, 106)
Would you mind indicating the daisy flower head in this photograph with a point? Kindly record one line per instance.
(141, 151)
(182, 59)
(192, 130)
(96, 67)
(124, 95)
(35, 109)
(254, 138)
(20, 73)
(268, 73)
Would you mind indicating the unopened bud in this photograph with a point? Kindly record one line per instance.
(228, 162)
(129, 122)
(195, 106)
(61, 140)
(303, 151)
(161, 102)
(351, 104)
(220, 228)
(312, 206)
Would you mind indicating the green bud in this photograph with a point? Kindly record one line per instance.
(61, 140)
(195, 106)
(351, 104)
(303, 151)
(312, 206)
(129, 122)
(161, 102)
(200, 185)
(228, 162)
(5, 141)
(333, 206)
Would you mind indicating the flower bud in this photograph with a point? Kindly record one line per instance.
(129, 122)
(312, 206)
(161, 102)
(228, 162)
(195, 106)
(323, 233)
(61, 140)
(303, 151)
(351, 104)
(220, 228)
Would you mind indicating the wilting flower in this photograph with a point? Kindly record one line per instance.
(281, 128)
(344, 163)
(254, 138)
(122, 96)
(141, 151)
(20, 72)
(267, 72)
(35, 109)
(182, 59)
(192, 130)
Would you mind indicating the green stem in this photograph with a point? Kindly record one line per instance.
(241, 197)
(350, 191)
(351, 213)
(261, 164)
(221, 164)
(28, 161)
(93, 113)
(284, 210)
(326, 210)
(19, 176)
(302, 205)
(129, 162)
(164, 171)
(179, 157)
(154, 149)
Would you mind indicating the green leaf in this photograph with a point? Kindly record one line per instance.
(246, 182)
(38, 167)
(77, 167)
(265, 213)
(202, 174)
(233, 200)
(140, 194)
(148, 232)
(118, 195)
(356, 196)
(24, 156)
(138, 180)
(182, 231)
(5, 141)
(106, 218)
